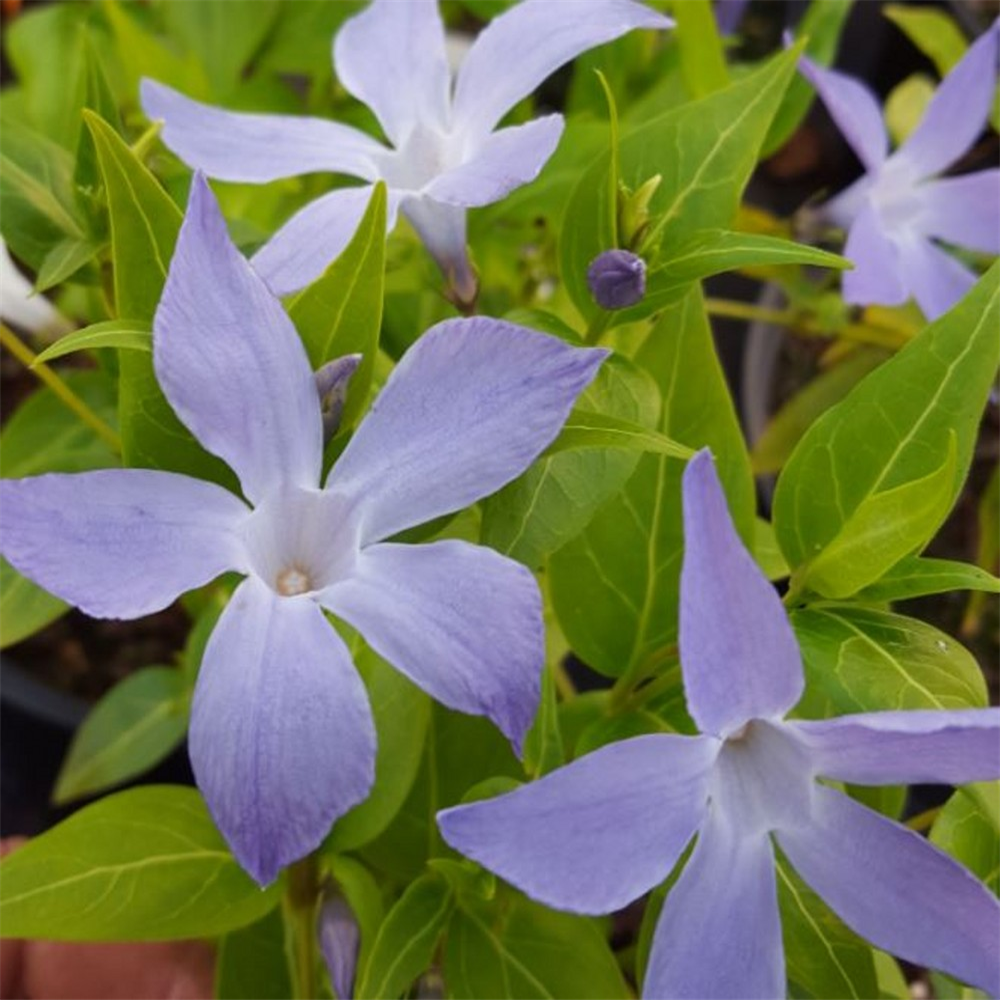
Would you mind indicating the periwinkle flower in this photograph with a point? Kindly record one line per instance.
(894, 213)
(600, 832)
(339, 942)
(281, 739)
(446, 153)
(617, 279)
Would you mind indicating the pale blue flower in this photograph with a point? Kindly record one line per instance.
(897, 210)
(446, 152)
(281, 739)
(598, 833)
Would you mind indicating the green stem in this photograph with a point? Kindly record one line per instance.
(623, 690)
(61, 390)
(923, 821)
(300, 905)
(667, 680)
(144, 143)
(564, 683)
(597, 327)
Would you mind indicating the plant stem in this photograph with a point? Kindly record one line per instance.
(300, 905)
(62, 391)
(862, 333)
(923, 821)
(597, 327)
(622, 692)
(564, 683)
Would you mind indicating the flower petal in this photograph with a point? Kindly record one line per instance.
(391, 56)
(898, 891)
(738, 653)
(253, 148)
(936, 279)
(958, 111)
(441, 227)
(469, 406)
(230, 361)
(598, 833)
(528, 43)
(506, 160)
(877, 275)
(889, 748)
(963, 210)
(461, 621)
(282, 740)
(854, 108)
(301, 250)
(120, 543)
(719, 935)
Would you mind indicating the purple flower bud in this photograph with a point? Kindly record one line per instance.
(339, 939)
(332, 381)
(617, 279)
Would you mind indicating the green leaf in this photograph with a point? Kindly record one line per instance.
(615, 586)
(44, 436)
(766, 551)
(785, 429)
(543, 749)
(865, 660)
(705, 151)
(144, 227)
(703, 63)
(63, 261)
(364, 896)
(146, 864)
(558, 495)
(134, 726)
(252, 963)
(968, 828)
(882, 529)
(341, 312)
(99, 99)
(126, 334)
(586, 429)
(37, 203)
(894, 428)
(224, 35)
(906, 105)
(524, 950)
(407, 939)
(934, 32)
(24, 606)
(823, 958)
(402, 713)
(821, 27)
(917, 576)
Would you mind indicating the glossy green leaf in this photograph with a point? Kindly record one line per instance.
(881, 530)
(37, 205)
(341, 312)
(894, 428)
(402, 712)
(861, 659)
(146, 864)
(705, 152)
(252, 962)
(524, 950)
(586, 429)
(134, 726)
(223, 34)
(144, 227)
(615, 586)
(126, 334)
(702, 61)
(558, 495)
(823, 958)
(917, 576)
(821, 27)
(785, 429)
(407, 939)
(968, 828)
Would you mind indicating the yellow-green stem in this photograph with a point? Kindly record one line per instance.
(62, 391)
(923, 821)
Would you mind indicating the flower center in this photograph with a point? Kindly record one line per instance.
(292, 581)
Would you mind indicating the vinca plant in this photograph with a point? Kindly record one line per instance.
(394, 392)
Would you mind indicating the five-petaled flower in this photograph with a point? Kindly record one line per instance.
(282, 740)
(446, 155)
(600, 832)
(896, 210)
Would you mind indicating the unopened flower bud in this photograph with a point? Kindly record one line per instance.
(339, 940)
(332, 381)
(617, 279)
